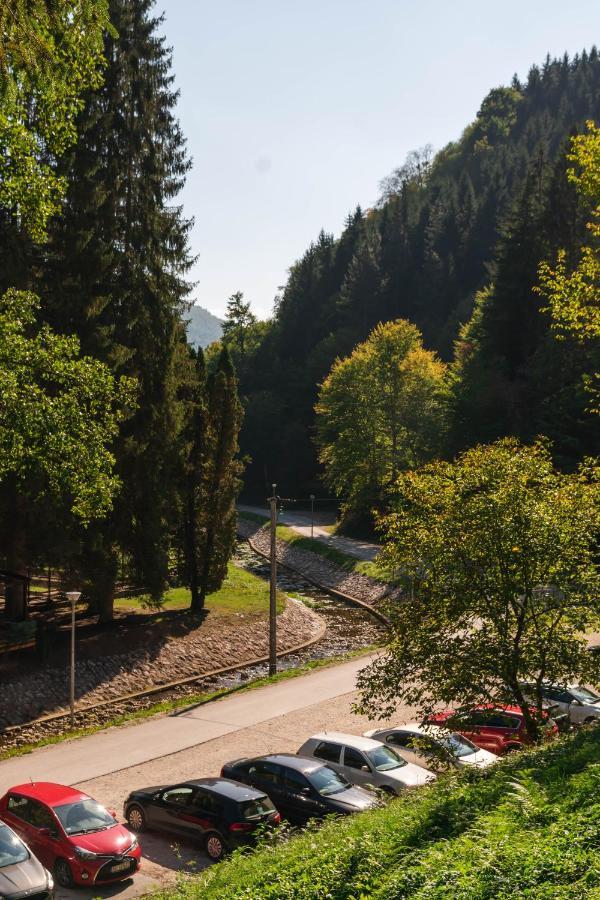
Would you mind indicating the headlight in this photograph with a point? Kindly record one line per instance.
(49, 880)
(85, 854)
(134, 842)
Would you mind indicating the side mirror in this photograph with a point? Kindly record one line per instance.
(305, 792)
(575, 702)
(365, 769)
(112, 812)
(44, 832)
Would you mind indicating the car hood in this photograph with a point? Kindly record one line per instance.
(480, 760)
(112, 842)
(354, 798)
(26, 876)
(410, 775)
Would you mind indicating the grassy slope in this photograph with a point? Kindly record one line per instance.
(343, 560)
(528, 827)
(241, 592)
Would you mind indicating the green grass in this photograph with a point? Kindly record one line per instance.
(343, 560)
(242, 593)
(253, 517)
(528, 827)
(167, 706)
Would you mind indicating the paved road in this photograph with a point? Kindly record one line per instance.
(301, 522)
(195, 743)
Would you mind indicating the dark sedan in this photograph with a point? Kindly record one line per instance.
(21, 873)
(221, 813)
(300, 787)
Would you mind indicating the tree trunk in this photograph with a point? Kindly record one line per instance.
(16, 588)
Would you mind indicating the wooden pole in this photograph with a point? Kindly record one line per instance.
(273, 587)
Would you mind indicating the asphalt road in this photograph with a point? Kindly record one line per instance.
(194, 743)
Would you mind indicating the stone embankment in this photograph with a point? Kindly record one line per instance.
(317, 568)
(205, 648)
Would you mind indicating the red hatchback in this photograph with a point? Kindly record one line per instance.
(499, 729)
(71, 834)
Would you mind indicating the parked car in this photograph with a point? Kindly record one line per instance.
(301, 789)
(221, 813)
(363, 760)
(21, 873)
(579, 704)
(433, 747)
(499, 729)
(71, 834)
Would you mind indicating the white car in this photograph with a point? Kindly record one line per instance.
(365, 762)
(581, 705)
(431, 746)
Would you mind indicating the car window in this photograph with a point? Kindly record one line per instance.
(353, 758)
(256, 809)
(384, 758)
(328, 751)
(294, 781)
(41, 817)
(83, 817)
(206, 802)
(458, 745)
(327, 781)
(400, 739)
(584, 695)
(19, 807)
(267, 772)
(12, 849)
(178, 796)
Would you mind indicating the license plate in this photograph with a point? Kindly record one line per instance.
(120, 867)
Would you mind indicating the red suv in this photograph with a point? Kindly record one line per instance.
(499, 729)
(71, 834)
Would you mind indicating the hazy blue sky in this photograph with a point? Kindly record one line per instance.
(294, 111)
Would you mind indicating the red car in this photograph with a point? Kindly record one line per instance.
(499, 729)
(71, 834)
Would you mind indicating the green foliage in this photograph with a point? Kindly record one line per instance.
(527, 827)
(59, 414)
(380, 410)
(50, 54)
(238, 320)
(498, 555)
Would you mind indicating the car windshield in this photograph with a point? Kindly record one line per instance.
(83, 817)
(257, 809)
(383, 759)
(12, 850)
(584, 695)
(327, 781)
(458, 745)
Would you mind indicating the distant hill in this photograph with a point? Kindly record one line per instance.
(203, 327)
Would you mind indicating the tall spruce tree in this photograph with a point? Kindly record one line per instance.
(115, 274)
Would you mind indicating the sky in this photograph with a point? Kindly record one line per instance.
(294, 111)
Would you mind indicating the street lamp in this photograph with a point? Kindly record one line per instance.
(312, 515)
(73, 597)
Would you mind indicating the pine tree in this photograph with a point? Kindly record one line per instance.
(219, 482)
(115, 275)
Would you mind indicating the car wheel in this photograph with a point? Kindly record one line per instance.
(512, 748)
(63, 873)
(591, 720)
(214, 845)
(136, 818)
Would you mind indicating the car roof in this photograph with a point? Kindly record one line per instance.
(227, 787)
(415, 728)
(48, 792)
(352, 740)
(292, 760)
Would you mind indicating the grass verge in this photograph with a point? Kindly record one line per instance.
(349, 563)
(527, 827)
(167, 706)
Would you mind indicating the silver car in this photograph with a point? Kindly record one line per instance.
(365, 762)
(581, 705)
(433, 747)
(21, 873)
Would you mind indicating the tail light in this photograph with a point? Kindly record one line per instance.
(241, 826)
(276, 819)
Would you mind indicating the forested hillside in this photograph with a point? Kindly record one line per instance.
(480, 214)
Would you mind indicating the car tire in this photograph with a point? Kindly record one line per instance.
(512, 748)
(591, 720)
(214, 846)
(136, 818)
(63, 873)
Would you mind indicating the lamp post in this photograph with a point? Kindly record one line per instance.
(312, 515)
(72, 597)
(273, 586)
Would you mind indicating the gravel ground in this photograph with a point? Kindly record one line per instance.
(164, 859)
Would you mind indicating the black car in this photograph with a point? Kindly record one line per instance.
(222, 813)
(300, 787)
(21, 873)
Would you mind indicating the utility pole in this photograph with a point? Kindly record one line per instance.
(73, 597)
(273, 586)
